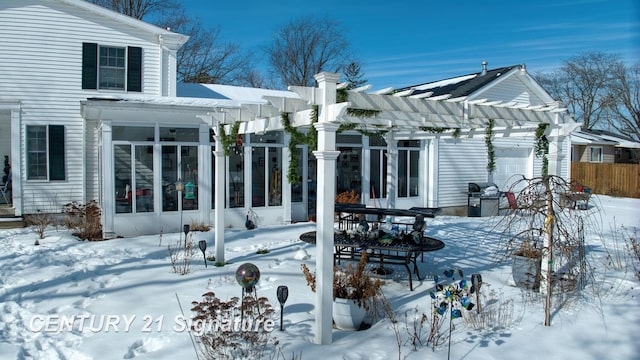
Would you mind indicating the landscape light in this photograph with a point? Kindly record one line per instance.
(283, 293)
(202, 244)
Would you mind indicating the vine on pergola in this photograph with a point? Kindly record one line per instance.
(488, 140)
(541, 147)
(229, 141)
(298, 138)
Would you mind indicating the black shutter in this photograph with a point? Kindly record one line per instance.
(89, 66)
(56, 152)
(134, 69)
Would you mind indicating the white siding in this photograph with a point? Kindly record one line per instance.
(41, 66)
(460, 161)
(464, 160)
(511, 89)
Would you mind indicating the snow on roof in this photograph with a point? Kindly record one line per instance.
(621, 142)
(244, 95)
(445, 82)
(582, 138)
(203, 95)
(169, 100)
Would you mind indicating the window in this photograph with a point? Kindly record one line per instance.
(266, 175)
(133, 170)
(297, 188)
(45, 152)
(596, 154)
(378, 168)
(111, 67)
(408, 163)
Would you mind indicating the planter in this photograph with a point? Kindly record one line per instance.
(347, 315)
(526, 272)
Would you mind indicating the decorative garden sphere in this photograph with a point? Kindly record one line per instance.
(247, 275)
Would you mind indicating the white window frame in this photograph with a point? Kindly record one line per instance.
(104, 68)
(598, 154)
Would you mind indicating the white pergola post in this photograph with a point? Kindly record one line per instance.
(392, 170)
(326, 156)
(219, 198)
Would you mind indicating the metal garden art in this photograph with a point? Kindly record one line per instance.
(247, 276)
(453, 295)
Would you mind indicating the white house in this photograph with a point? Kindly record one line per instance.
(56, 54)
(90, 110)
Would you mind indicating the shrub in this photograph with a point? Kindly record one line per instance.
(199, 226)
(84, 220)
(180, 255)
(228, 341)
(350, 283)
(39, 222)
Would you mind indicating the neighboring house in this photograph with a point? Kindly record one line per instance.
(90, 110)
(506, 87)
(599, 146)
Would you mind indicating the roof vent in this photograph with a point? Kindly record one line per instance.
(484, 68)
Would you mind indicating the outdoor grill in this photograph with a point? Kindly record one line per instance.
(483, 199)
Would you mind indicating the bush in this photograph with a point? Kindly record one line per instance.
(84, 220)
(220, 334)
(39, 222)
(199, 226)
(181, 254)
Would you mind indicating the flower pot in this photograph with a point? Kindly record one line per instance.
(526, 271)
(347, 315)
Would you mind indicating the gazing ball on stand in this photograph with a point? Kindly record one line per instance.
(247, 276)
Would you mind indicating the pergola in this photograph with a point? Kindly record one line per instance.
(401, 115)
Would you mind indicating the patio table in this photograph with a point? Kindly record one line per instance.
(397, 252)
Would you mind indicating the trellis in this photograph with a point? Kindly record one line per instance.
(400, 113)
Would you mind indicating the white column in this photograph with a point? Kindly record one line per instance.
(392, 170)
(108, 185)
(220, 181)
(204, 174)
(286, 186)
(15, 160)
(324, 229)
(327, 156)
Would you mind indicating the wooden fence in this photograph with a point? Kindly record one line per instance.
(608, 179)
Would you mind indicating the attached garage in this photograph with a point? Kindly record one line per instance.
(510, 163)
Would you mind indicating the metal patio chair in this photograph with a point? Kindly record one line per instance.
(4, 189)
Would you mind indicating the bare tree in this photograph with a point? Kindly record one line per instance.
(581, 83)
(623, 100)
(305, 47)
(205, 58)
(139, 9)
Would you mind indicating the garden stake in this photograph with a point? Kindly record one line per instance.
(202, 244)
(476, 282)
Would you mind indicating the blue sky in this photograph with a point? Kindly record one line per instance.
(403, 43)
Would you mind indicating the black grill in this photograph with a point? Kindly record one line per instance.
(483, 199)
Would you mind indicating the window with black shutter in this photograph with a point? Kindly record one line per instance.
(111, 67)
(45, 152)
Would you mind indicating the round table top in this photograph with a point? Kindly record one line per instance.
(428, 244)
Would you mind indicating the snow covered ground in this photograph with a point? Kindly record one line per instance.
(129, 285)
